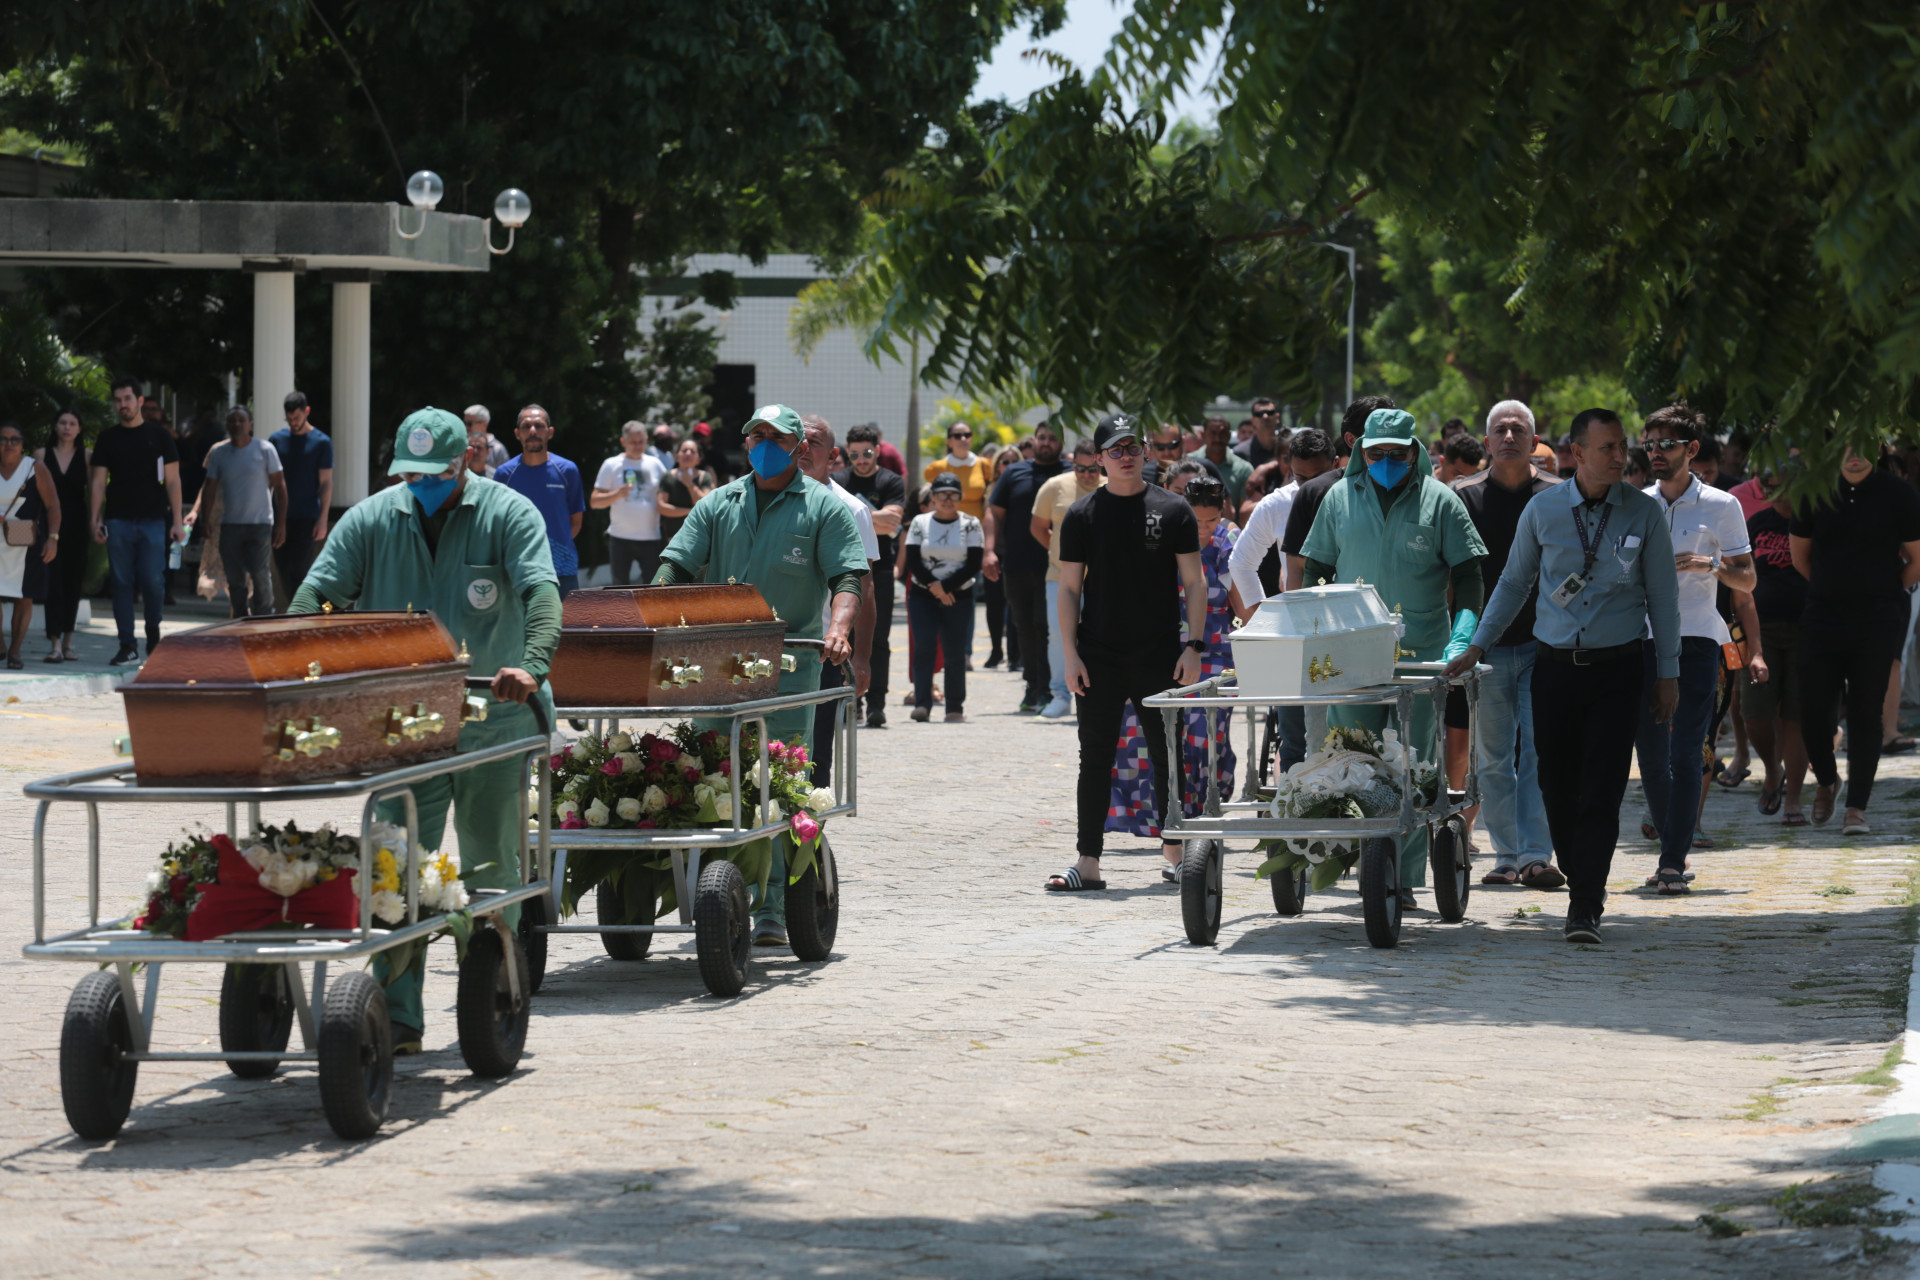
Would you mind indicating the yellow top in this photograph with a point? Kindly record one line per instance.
(976, 478)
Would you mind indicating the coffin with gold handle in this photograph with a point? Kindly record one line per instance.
(701, 644)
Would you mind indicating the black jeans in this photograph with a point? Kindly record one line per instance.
(292, 558)
(1111, 684)
(994, 593)
(1027, 605)
(1855, 660)
(945, 626)
(1584, 723)
(880, 655)
(245, 552)
(624, 553)
(832, 676)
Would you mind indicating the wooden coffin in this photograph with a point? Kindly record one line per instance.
(280, 699)
(703, 644)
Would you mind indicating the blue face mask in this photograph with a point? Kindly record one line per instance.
(1388, 472)
(431, 491)
(769, 459)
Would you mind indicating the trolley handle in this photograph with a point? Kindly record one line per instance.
(820, 647)
(482, 684)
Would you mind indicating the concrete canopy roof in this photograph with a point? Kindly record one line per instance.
(236, 235)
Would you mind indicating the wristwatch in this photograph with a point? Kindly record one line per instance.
(1198, 646)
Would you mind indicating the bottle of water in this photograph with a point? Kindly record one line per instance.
(173, 553)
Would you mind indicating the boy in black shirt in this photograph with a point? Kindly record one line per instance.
(1126, 553)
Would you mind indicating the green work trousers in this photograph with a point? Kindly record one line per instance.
(1418, 737)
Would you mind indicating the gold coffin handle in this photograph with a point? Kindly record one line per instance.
(123, 745)
(788, 664)
(750, 666)
(309, 742)
(473, 710)
(414, 725)
(681, 674)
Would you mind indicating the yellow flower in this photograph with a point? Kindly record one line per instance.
(386, 872)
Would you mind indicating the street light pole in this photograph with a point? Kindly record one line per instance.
(1353, 290)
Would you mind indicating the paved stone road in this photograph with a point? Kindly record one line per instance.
(991, 1080)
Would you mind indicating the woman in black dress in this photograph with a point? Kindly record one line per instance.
(65, 462)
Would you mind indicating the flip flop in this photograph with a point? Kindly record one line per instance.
(1671, 883)
(1501, 875)
(1770, 800)
(1542, 875)
(1794, 820)
(1070, 882)
(1734, 777)
(1897, 746)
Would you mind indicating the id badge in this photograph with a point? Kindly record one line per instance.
(1572, 587)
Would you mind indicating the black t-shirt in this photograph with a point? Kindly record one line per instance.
(1015, 491)
(135, 459)
(1253, 451)
(678, 496)
(1856, 549)
(1495, 511)
(1306, 505)
(1130, 603)
(881, 489)
(1779, 592)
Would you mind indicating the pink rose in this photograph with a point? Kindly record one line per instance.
(613, 768)
(797, 757)
(556, 761)
(691, 774)
(575, 823)
(645, 824)
(776, 749)
(805, 828)
(726, 768)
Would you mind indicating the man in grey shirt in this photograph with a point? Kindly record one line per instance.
(1602, 557)
(253, 521)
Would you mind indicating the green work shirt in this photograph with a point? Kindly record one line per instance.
(493, 548)
(1406, 552)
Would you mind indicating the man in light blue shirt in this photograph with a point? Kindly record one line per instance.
(1602, 557)
(552, 484)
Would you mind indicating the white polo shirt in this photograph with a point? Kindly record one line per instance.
(1706, 521)
(1265, 526)
(869, 543)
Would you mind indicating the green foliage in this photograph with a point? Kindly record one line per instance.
(39, 377)
(994, 421)
(1838, 1202)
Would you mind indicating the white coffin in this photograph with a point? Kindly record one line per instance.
(1314, 641)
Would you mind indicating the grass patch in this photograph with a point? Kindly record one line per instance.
(1794, 1002)
(1836, 891)
(1838, 1202)
(1762, 1106)
(1881, 1077)
(1722, 1228)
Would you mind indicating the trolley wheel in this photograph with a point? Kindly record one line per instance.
(1452, 871)
(256, 1012)
(812, 917)
(533, 914)
(492, 1023)
(723, 928)
(96, 1080)
(1202, 875)
(356, 1055)
(1290, 890)
(611, 906)
(1380, 890)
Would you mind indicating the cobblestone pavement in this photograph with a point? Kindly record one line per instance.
(992, 1080)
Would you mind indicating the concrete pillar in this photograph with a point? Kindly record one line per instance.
(352, 402)
(272, 347)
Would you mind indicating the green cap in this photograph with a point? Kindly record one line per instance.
(777, 416)
(428, 441)
(1388, 426)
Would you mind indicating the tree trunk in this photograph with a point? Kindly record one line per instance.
(911, 449)
(616, 220)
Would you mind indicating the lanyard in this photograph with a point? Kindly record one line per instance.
(1599, 534)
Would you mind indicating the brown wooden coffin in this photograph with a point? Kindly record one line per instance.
(697, 645)
(281, 699)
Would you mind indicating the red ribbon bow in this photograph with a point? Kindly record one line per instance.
(236, 903)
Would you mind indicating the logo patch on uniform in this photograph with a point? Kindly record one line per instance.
(1418, 542)
(419, 442)
(796, 556)
(766, 413)
(483, 593)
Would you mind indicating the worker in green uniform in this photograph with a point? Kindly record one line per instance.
(475, 554)
(1391, 524)
(791, 537)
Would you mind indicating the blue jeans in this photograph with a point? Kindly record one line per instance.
(1670, 753)
(1510, 800)
(1056, 652)
(137, 552)
(1293, 737)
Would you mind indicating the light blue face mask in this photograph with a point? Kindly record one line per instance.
(431, 491)
(769, 459)
(1388, 472)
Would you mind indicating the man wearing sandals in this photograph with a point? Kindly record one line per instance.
(1510, 802)
(1710, 547)
(1600, 556)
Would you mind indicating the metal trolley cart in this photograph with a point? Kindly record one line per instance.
(1203, 836)
(712, 899)
(109, 1021)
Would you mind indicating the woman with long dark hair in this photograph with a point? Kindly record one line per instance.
(64, 460)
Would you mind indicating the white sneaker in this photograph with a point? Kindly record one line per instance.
(1057, 708)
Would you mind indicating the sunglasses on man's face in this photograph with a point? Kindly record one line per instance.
(1666, 446)
(959, 435)
(1387, 453)
(1266, 413)
(1081, 469)
(861, 455)
(1166, 446)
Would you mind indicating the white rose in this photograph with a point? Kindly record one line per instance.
(156, 881)
(628, 809)
(256, 855)
(629, 761)
(619, 742)
(655, 799)
(819, 799)
(597, 814)
(568, 809)
(718, 781)
(723, 807)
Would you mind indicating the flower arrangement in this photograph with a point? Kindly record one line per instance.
(1354, 775)
(441, 889)
(672, 781)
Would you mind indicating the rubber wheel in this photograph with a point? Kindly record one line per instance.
(493, 1024)
(1452, 872)
(723, 928)
(1202, 873)
(1380, 890)
(610, 906)
(813, 919)
(1290, 890)
(96, 1081)
(356, 1056)
(533, 913)
(256, 1012)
